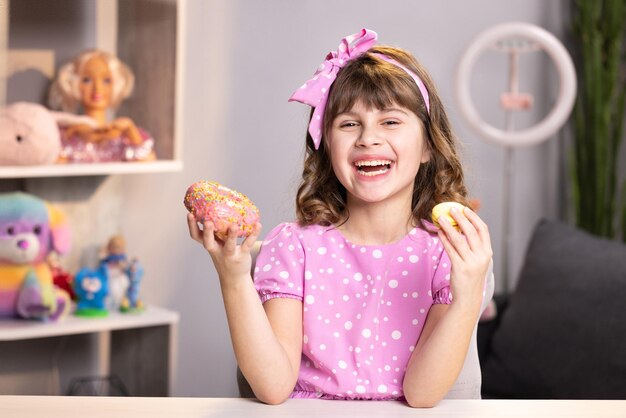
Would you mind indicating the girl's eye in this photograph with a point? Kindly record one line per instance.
(391, 122)
(86, 80)
(348, 124)
(107, 80)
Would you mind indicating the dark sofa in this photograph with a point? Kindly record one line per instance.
(562, 332)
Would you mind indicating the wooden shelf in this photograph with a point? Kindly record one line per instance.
(22, 329)
(68, 170)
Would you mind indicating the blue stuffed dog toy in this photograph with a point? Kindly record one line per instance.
(91, 288)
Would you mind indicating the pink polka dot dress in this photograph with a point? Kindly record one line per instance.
(364, 306)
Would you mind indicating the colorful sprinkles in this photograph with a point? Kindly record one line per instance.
(209, 200)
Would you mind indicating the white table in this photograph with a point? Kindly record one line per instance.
(95, 407)
(38, 358)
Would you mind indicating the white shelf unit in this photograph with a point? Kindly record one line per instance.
(146, 34)
(41, 358)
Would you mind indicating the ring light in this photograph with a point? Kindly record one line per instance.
(543, 40)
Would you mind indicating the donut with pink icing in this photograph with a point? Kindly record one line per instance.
(209, 200)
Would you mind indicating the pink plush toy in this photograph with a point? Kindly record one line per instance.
(30, 229)
(29, 133)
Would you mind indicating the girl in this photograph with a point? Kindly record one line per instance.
(357, 295)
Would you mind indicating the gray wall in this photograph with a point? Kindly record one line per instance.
(243, 60)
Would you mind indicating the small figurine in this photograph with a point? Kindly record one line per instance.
(61, 277)
(131, 302)
(91, 288)
(124, 277)
(97, 82)
(113, 286)
(115, 263)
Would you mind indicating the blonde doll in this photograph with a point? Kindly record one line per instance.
(96, 82)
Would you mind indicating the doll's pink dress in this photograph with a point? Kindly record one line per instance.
(364, 306)
(75, 149)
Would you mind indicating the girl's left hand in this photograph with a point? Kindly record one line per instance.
(470, 253)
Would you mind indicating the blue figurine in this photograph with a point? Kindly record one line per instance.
(91, 288)
(131, 302)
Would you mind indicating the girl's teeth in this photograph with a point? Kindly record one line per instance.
(372, 163)
(373, 173)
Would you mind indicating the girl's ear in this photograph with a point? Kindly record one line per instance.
(425, 155)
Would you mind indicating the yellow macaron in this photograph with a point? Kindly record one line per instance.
(443, 209)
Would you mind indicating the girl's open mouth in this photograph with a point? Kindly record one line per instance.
(372, 168)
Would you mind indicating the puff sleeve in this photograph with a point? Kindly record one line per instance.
(441, 282)
(441, 265)
(279, 267)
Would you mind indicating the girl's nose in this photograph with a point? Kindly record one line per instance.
(369, 137)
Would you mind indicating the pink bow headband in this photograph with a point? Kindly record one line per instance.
(314, 92)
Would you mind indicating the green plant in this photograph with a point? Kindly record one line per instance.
(599, 31)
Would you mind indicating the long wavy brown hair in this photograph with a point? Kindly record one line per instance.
(321, 198)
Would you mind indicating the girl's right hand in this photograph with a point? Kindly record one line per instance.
(231, 260)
